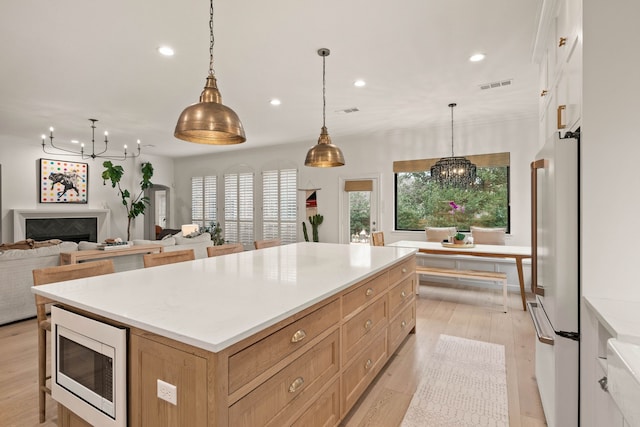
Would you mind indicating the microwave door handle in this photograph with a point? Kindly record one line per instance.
(537, 324)
(535, 165)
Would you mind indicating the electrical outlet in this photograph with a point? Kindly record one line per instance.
(168, 392)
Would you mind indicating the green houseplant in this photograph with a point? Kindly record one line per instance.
(135, 205)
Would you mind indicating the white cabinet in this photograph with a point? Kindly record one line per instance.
(558, 51)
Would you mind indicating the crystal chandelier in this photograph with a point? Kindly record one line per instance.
(453, 171)
(60, 151)
(324, 154)
(209, 121)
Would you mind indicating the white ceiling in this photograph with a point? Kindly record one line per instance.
(66, 61)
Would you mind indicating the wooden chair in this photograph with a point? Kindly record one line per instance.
(488, 236)
(438, 234)
(230, 248)
(43, 276)
(377, 238)
(261, 244)
(162, 258)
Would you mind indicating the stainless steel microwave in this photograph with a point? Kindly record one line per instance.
(89, 367)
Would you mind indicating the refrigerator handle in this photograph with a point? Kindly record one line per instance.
(545, 338)
(535, 165)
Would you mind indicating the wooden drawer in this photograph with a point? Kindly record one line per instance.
(363, 370)
(400, 326)
(325, 411)
(400, 294)
(364, 294)
(252, 361)
(278, 398)
(360, 330)
(402, 270)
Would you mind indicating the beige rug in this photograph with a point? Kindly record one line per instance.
(463, 384)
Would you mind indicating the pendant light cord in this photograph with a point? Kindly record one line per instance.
(452, 105)
(324, 92)
(211, 40)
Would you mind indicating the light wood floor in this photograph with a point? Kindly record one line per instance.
(464, 312)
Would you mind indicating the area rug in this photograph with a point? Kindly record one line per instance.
(463, 384)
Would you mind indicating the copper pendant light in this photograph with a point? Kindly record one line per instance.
(324, 154)
(209, 121)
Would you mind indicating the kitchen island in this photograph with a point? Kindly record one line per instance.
(290, 335)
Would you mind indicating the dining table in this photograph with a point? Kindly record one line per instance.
(517, 253)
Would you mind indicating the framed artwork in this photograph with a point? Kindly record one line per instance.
(63, 182)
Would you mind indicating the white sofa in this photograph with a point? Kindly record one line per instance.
(16, 299)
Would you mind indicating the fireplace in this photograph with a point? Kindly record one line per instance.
(89, 225)
(66, 229)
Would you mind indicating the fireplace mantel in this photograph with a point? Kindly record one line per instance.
(21, 215)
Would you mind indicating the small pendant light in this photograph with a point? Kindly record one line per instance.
(324, 154)
(209, 121)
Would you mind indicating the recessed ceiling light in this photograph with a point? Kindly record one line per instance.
(275, 101)
(477, 57)
(359, 83)
(165, 51)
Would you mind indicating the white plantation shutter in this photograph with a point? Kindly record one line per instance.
(279, 200)
(203, 200)
(238, 208)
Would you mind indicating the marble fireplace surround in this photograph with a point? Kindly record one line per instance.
(20, 217)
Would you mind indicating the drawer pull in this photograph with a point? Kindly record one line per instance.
(404, 270)
(368, 324)
(299, 336)
(403, 324)
(369, 292)
(296, 384)
(368, 364)
(403, 294)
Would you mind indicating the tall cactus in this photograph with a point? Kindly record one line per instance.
(315, 221)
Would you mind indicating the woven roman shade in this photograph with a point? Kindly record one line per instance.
(480, 160)
(358, 185)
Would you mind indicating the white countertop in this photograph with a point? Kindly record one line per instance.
(620, 317)
(212, 303)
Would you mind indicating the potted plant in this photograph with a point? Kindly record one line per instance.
(134, 205)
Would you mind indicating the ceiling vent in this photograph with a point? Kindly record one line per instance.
(348, 110)
(494, 85)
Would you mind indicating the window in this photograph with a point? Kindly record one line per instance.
(203, 200)
(421, 203)
(279, 205)
(238, 208)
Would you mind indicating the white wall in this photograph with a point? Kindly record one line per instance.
(374, 154)
(20, 185)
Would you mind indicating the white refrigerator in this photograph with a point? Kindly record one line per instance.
(555, 276)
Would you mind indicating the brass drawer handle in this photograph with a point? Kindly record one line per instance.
(562, 42)
(299, 336)
(404, 269)
(296, 384)
(561, 108)
(369, 292)
(403, 324)
(403, 294)
(368, 364)
(368, 324)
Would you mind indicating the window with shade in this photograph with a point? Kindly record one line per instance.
(420, 202)
(238, 208)
(279, 205)
(203, 200)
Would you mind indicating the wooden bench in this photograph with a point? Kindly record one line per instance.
(491, 276)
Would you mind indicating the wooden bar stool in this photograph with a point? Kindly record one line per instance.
(230, 248)
(261, 244)
(163, 258)
(43, 276)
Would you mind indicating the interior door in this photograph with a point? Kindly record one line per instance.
(359, 213)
